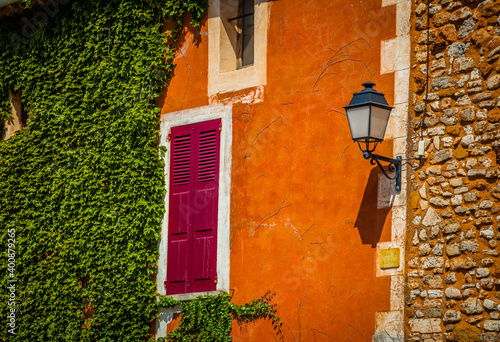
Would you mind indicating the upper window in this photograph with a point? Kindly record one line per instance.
(244, 32)
(237, 44)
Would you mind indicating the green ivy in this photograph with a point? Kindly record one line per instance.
(82, 185)
(209, 318)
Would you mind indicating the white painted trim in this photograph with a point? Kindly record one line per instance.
(388, 327)
(189, 296)
(248, 77)
(187, 117)
(165, 316)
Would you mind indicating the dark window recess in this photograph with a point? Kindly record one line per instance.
(245, 25)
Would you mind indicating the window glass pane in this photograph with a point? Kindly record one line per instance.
(247, 55)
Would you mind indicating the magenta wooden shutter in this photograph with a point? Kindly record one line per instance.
(180, 219)
(194, 187)
(205, 201)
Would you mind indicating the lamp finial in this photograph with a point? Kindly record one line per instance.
(368, 85)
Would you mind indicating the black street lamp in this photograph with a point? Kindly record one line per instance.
(368, 115)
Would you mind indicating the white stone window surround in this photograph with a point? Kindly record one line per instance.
(218, 45)
(187, 117)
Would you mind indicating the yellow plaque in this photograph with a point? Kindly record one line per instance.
(389, 258)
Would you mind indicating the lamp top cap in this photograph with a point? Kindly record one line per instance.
(368, 84)
(369, 88)
(368, 96)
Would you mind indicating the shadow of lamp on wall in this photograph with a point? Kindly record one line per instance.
(371, 219)
(368, 114)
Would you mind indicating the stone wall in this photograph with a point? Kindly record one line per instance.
(453, 262)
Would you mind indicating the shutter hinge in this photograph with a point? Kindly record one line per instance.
(220, 126)
(165, 284)
(215, 281)
(168, 138)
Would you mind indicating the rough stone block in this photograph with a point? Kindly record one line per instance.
(469, 246)
(439, 83)
(494, 115)
(461, 14)
(489, 304)
(476, 172)
(439, 202)
(487, 233)
(441, 156)
(463, 64)
(467, 114)
(471, 306)
(455, 49)
(461, 190)
(495, 191)
(482, 272)
(486, 204)
(453, 293)
(481, 36)
(451, 228)
(456, 182)
(462, 263)
(492, 325)
(493, 82)
(466, 28)
(450, 34)
(425, 325)
(470, 196)
(487, 283)
(431, 262)
(488, 104)
(452, 316)
(482, 97)
(435, 294)
(431, 218)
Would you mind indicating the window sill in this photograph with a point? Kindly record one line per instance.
(193, 295)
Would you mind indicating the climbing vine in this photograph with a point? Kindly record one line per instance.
(83, 184)
(209, 318)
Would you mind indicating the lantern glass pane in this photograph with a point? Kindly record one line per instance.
(359, 119)
(379, 120)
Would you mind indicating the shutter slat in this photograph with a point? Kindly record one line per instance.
(182, 155)
(207, 147)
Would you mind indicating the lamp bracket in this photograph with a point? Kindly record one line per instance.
(394, 166)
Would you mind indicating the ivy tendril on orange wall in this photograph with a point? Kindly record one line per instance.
(83, 183)
(209, 318)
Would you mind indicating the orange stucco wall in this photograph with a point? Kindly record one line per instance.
(304, 217)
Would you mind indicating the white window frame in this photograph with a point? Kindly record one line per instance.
(188, 117)
(248, 76)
